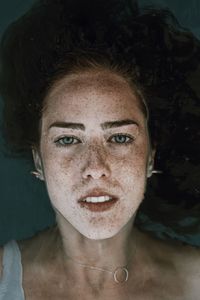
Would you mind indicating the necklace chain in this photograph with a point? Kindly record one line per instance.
(114, 273)
(88, 266)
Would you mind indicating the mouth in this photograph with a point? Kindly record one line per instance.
(98, 201)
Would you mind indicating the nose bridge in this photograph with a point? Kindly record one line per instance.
(96, 153)
(96, 164)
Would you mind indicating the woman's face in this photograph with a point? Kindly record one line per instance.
(94, 147)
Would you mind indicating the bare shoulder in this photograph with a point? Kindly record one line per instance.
(178, 261)
(188, 262)
(185, 257)
(189, 258)
(36, 249)
(40, 258)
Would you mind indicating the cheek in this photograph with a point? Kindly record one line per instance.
(133, 162)
(57, 173)
(58, 170)
(133, 173)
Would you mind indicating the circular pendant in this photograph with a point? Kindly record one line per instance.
(120, 275)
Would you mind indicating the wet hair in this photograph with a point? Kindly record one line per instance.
(147, 47)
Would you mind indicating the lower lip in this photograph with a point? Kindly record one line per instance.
(98, 207)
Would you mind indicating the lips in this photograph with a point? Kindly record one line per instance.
(93, 201)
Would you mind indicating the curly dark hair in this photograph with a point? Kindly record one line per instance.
(149, 46)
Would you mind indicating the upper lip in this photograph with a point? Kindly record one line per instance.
(96, 193)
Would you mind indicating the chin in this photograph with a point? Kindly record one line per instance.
(100, 234)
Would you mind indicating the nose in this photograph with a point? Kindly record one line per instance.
(96, 165)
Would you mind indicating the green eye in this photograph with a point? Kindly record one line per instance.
(67, 141)
(121, 139)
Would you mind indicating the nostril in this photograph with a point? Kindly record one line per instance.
(96, 172)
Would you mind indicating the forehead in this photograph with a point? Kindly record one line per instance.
(92, 91)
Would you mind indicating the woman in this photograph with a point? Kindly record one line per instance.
(80, 104)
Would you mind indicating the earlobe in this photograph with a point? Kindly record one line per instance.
(38, 164)
(151, 164)
(150, 168)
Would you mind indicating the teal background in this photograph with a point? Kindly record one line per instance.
(24, 204)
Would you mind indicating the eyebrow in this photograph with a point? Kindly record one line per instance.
(105, 125)
(70, 125)
(119, 123)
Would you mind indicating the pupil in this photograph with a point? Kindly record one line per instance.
(121, 138)
(67, 140)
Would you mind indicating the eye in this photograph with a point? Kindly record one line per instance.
(121, 139)
(67, 141)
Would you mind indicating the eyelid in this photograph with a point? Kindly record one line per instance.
(132, 132)
(132, 138)
(56, 141)
(78, 140)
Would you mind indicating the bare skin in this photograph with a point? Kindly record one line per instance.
(94, 142)
(94, 139)
(160, 270)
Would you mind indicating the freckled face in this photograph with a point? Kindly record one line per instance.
(98, 153)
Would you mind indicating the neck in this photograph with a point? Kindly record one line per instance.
(107, 254)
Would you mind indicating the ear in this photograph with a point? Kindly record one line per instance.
(150, 164)
(38, 163)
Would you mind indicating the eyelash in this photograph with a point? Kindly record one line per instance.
(130, 138)
(59, 141)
